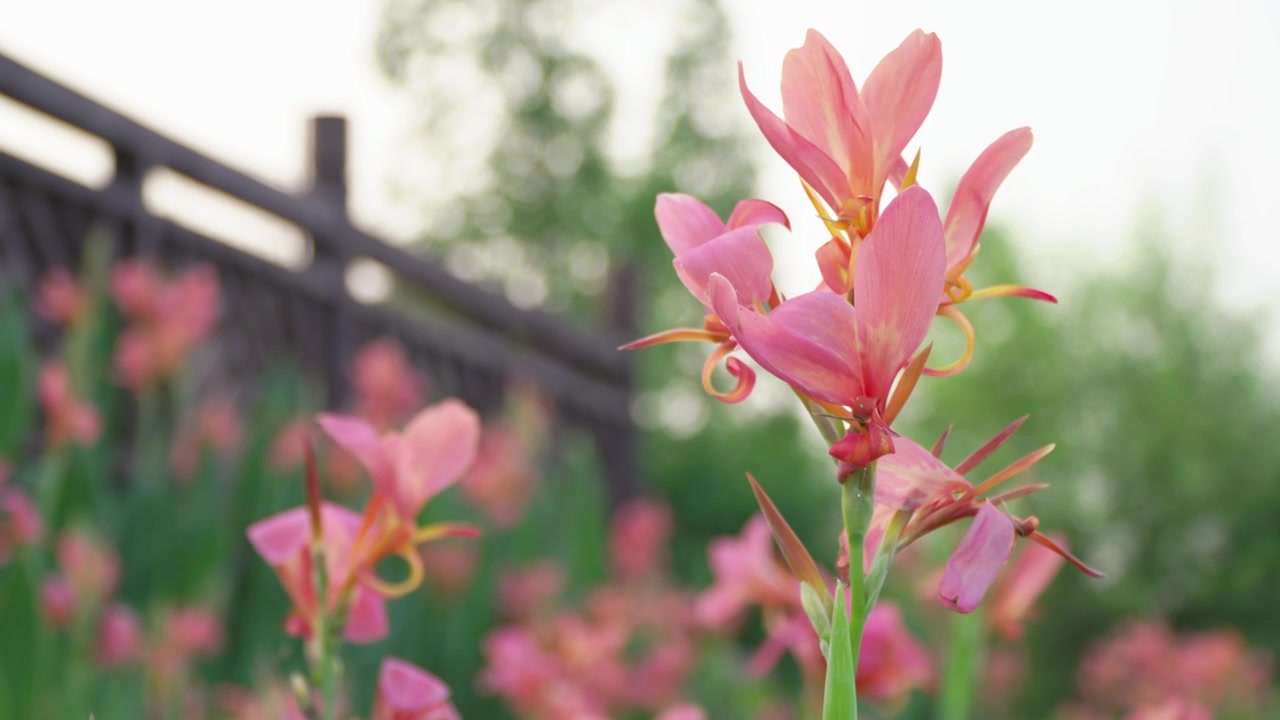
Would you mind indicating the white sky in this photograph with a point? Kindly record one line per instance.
(1165, 108)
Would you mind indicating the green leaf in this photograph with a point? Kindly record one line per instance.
(840, 697)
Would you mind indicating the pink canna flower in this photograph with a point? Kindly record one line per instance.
(90, 567)
(501, 481)
(407, 692)
(746, 574)
(450, 567)
(59, 299)
(523, 592)
(67, 418)
(119, 637)
(843, 143)
(135, 287)
(289, 449)
(169, 318)
(20, 522)
(848, 356)
(57, 602)
(704, 246)
(216, 427)
(284, 541)
(1175, 709)
(1017, 592)
(891, 662)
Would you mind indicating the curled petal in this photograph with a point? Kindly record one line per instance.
(972, 199)
(752, 212)
(685, 221)
(745, 376)
(835, 262)
(411, 581)
(974, 565)
(1012, 291)
(954, 315)
(675, 335)
(741, 256)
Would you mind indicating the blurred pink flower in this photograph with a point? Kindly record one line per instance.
(387, 387)
(276, 701)
(90, 567)
(1015, 594)
(168, 319)
(504, 475)
(685, 711)
(119, 637)
(289, 448)
(638, 539)
(215, 427)
(20, 522)
(59, 298)
(191, 632)
(67, 418)
(136, 287)
(746, 573)
(450, 567)
(522, 592)
(57, 601)
(407, 692)
(1171, 710)
(892, 662)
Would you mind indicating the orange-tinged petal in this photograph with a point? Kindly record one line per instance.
(977, 456)
(977, 560)
(972, 200)
(941, 442)
(1077, 562)
(1014, 468)
(906, 384)
(439, 531)
(898, 94)
(810, 161)
(951, 313)
(412, 580)
(900, 267)
(676, 335)
(745, 376)
(793, 551)
(1012, 291)
(820, 101)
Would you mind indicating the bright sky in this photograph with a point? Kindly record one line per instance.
(1140, 108)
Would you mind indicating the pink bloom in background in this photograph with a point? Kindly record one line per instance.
(407, 692)
(57, 601)
(168, 318)
(119, 637)
(67, 418)
(504, 475)
(387, 387)
(522, 592)
(20, 523)
(683, 712)
(215, 427)
(1171, 710)
(190, 632)
(289, 449)
(450, 566)
(892, 663)
(90, 567)
(1015, 594)
(59, 299)
(273, 702)
(638, 539)
(836, 353)
(746, 573)
(284, 542)
(703, 246)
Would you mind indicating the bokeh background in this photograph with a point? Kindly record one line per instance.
(521, 144)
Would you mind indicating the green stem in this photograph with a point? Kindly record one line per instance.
(856, 506)
(960, 676)
(323, 651)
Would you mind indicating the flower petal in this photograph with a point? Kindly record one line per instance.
(808, 341)
(898, 94)
(739, 255)
(279, 538)
(685, 221)
(367, 619)
(969, 205)
(974, 565)
(752, 212)
(354, 435)
(820, 101)
(898, 275)
(438, 446)
(404, 687)
(808, 160)
(912, 477)
(833, 261)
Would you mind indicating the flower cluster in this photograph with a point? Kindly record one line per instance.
(168, 318)
(629, 648)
